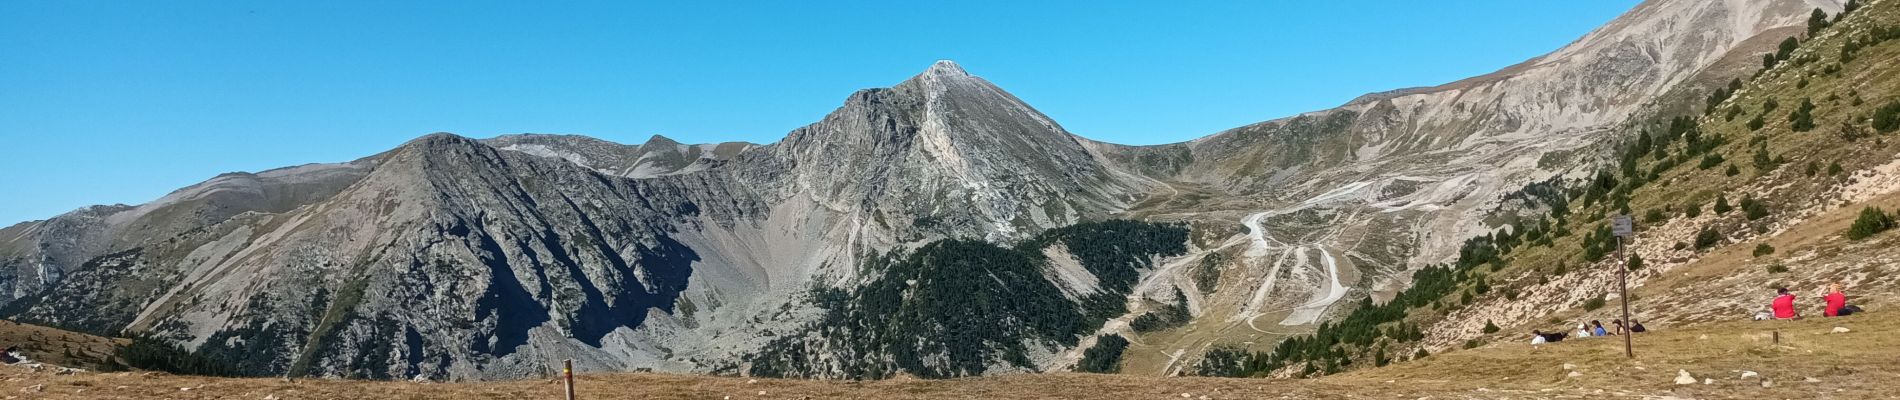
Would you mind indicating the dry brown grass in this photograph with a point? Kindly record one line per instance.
(1854, 365)
(57, 347)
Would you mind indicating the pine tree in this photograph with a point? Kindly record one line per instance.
(1803, 116)
(1721, 205)
(1786, 48)
(1816, 21)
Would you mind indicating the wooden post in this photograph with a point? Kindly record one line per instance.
(567, 375)
(1623, 288)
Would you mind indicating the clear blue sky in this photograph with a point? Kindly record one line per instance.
(121, 102)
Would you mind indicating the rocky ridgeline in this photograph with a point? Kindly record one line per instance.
(452, 258)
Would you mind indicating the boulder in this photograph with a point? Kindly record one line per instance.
(1683, 377)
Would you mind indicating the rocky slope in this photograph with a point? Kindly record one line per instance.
(659, 156)
(454, 258)
(1340, 205)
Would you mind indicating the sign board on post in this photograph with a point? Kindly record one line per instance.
(1623, 227)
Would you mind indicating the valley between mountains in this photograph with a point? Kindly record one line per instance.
(943, 228)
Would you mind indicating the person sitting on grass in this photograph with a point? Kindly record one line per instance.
(1783, 305)
(1539, 337)
(1837, 302)
(1597, 328)
(1583, 329)
(1637, 327)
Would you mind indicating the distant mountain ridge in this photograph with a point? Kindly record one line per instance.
(452, 258)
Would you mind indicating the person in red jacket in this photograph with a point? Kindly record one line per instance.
(1836, 301)
(1783, 306)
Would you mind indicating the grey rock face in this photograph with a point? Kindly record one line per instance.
(659, 156)
(454, 258)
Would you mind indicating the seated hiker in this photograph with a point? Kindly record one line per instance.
(1539, 337)
(1597, 329)
(1783, 305)
(1620, 328)
(1837, 302)
(1583, 329)
(1637, 327)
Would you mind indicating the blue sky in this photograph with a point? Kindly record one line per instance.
(122, 102)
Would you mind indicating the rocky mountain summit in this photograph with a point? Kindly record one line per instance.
(839, 250)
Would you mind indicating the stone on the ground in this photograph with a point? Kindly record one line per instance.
(1767, 383)
(1749, 374)
(34, 388)
(1574, 374)
(1569, 366)
(1708, 381)
(1683, 377)
(1840, 329)
(1811, 380)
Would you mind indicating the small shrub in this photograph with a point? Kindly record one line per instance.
(1764, 249)
(1721, 205)
(1887, 117)
(1710, 161)
(1490, 328)
(1654, 216)
(1872, 221)
(1707, 238)
(1777, 268)
(1753, 209)
(1635, 262)
(1595, 303)
(1834, 168)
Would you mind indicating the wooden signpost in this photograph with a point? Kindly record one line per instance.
(1624, 227)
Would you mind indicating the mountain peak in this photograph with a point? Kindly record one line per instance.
(946, 68)
(658, 141)
(437, 139)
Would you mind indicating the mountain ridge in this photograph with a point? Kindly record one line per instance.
(496, 255)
